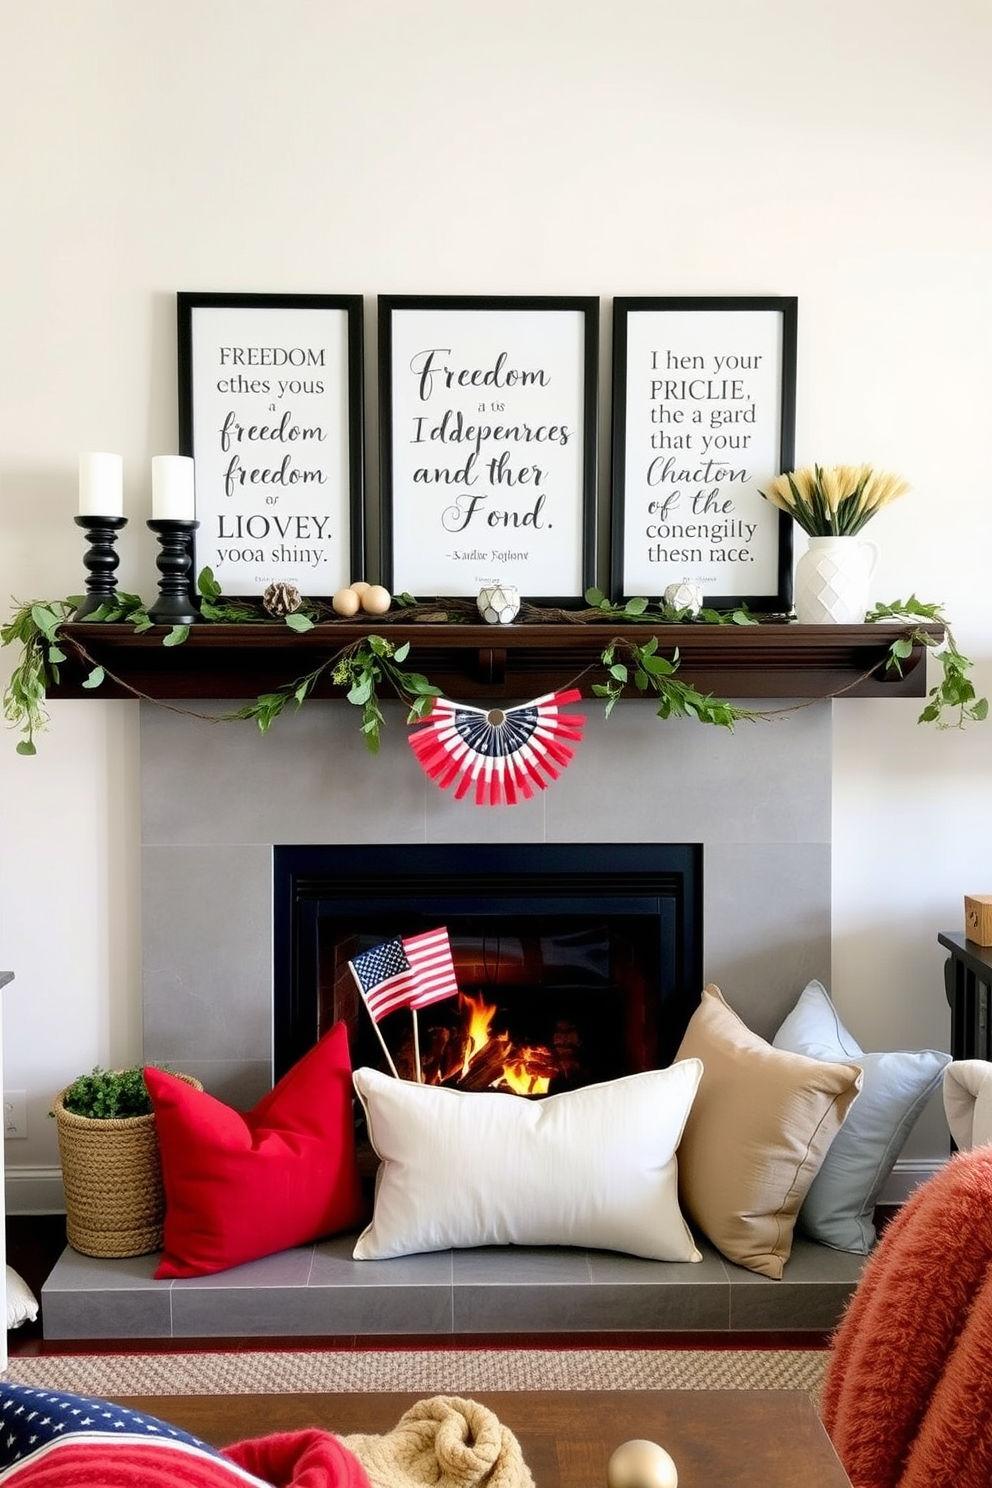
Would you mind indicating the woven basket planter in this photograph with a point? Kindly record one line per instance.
(112, 1176)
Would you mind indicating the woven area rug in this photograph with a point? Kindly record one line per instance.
(434, 1372)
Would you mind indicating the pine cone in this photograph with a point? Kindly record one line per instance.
(282, 599)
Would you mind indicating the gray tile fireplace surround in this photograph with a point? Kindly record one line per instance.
(215, 798)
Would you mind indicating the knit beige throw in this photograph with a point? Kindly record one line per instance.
(444, 1442)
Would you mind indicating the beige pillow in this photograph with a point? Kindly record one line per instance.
(758, 1130)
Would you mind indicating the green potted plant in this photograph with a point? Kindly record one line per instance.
(111, 1169)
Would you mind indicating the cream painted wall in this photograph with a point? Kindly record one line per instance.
(836, 151)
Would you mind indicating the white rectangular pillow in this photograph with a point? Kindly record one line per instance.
(594, 1167)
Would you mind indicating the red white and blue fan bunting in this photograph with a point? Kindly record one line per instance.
(500, 752)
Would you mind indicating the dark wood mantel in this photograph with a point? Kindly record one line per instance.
(482, 662)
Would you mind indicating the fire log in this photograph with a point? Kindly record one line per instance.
(487, 1065)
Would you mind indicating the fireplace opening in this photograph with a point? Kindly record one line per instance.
(574, 963)
(547, 1002)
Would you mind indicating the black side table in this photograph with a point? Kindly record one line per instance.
(968, 985)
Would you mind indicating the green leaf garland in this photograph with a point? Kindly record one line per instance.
(954, 694)
(363, 667)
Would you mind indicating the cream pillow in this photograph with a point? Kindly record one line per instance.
(968, 1102)
(592, 1167)
(759, 1128)
(22, 1306)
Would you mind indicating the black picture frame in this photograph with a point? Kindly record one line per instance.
(277, 377)
(445, 363)
(685, 502)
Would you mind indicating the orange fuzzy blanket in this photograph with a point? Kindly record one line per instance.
(908, 1392)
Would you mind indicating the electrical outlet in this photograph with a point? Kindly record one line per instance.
(15, 1113)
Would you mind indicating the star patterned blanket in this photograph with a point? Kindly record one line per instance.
(54, 1439)
(51, 1439)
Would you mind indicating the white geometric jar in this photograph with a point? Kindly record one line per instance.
(832, 579)
(498, 604)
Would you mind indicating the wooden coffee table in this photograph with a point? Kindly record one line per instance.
(718, 1438)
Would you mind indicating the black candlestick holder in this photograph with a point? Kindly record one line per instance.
(101, 560)
(175, 604)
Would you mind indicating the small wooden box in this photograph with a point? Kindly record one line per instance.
(978, 918)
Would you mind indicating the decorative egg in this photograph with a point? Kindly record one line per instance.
(359, 585)
(684, 597)
(346, 602)
(641, 1464)
(376, 600)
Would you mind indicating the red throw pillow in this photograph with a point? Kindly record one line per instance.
(240, 1185)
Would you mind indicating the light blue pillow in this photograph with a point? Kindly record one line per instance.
(839, 1206)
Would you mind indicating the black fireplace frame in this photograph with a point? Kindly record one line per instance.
(658, 878)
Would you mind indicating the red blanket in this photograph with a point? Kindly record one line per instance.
(300, 1459)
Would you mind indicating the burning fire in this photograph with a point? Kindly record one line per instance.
(477, 1034)
(520, 1068)
(521, 1079)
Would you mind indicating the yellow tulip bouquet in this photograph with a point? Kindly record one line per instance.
(833, 500)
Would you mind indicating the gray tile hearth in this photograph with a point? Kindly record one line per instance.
(320, 1292)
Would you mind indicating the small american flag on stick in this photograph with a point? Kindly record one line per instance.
(412, 972)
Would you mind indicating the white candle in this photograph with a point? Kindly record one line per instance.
(101, 485)
(172, 488)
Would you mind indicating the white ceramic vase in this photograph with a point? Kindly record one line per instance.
(832, 579)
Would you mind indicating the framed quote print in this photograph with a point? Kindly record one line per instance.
(704, 395)
(270, 408)
(487, 414)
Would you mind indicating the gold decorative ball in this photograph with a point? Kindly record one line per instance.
(346, 602)
(376, 600)
(641, 1464)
